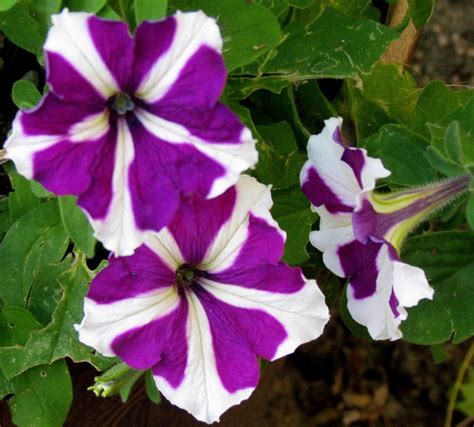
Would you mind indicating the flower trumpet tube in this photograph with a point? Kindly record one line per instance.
(361, 231)
(131, 123)
(203, 299)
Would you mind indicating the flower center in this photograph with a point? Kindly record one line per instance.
(122, 103)
(185, 277)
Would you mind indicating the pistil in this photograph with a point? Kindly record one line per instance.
(122, 103)
(185, 277)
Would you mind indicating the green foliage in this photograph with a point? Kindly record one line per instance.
(42, 396)
(6, 4)
(403, 153)
(153, 393)
(435, 103)
(329, 47)
(24, 94)
(470, 211)
(26, 23)
(439, 353)
(291, 211)
(92, 6)
(77, 225)
(448, 260)
(356, 8)
(22, 199)
(150, 9)
(59, 338)
(466, 403)
(419, 11)
(124, 10)
(280, 162)
(34, 244)
(386, 95)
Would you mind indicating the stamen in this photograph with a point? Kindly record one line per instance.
(122, 103)
(185, 277)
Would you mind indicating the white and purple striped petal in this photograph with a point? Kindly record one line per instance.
(380, 287)
(334, 174)
(202, 300)
(132, 123)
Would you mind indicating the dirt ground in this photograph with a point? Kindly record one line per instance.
(446, 48)
(337, 380)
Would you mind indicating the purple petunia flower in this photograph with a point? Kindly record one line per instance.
(361, 231)
(203, 299)
(131, 124)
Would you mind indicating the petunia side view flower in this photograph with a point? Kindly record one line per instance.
(203, 299)
(131, 124)
(361, 231)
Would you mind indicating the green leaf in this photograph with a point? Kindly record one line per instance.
(464, 133)
(5, 219)
(403, 153)
(279, 108)
(19, 323)
(125, 10)
(292, 211)
(249, 30)
(126, 387)
(448, 261)
(280, 162)
(26, 23)
(34, 243)
(330, 47)
(151, 389)
(300, 4)
(108, 13)
(393, 89)
(6, 4)
(441, 164)
(470, 211)
(150, 9)
(242, 87)
(466, 403)
(357, 8)
(92, 6)
(452, 143)
(313, 106)
(22, 199)
(46, 290)
(59, 338)
(25, 95)
(439, 353)
(39, 191)
(420, 11)
(77, 225)
(277, 7)
(6, 387)
(42, 397)
(367, 116)
(387, 94)
(436, 102)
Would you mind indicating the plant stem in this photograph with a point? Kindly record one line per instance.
(453, 395)
(3, 156)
